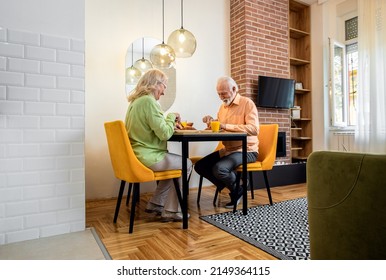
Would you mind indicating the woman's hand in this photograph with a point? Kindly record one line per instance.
(178, 118)
(179, 125)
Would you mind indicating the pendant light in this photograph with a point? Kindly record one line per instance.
(132, 73)
(182, 40)
(162, 55)
(143, 64)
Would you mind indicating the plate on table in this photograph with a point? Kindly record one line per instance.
(195, 131)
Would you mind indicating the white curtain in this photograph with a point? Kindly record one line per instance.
(370, 134)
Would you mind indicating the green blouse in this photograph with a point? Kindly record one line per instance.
(148, 129)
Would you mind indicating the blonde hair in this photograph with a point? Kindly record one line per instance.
(146, 84)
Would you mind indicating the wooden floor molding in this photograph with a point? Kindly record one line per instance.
(154, 240)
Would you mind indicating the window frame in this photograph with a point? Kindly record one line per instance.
(334, 92)
(341, 107)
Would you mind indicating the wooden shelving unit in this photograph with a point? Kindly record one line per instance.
(300, 70)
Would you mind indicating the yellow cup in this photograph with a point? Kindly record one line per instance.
(215, 125)
(184, 123)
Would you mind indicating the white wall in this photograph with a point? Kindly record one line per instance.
(60, 17)
(319, 100)
(111, 26)
(41, 118)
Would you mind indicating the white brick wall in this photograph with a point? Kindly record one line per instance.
(41, 135)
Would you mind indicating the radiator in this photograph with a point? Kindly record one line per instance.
(343, 140)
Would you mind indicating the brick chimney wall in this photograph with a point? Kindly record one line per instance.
(259, 46)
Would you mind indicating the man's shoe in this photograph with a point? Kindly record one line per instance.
(167, 216)
(235, 198)
(154, 208)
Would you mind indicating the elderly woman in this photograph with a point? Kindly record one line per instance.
(149, 131)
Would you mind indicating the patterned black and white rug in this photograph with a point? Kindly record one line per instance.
(280, 229)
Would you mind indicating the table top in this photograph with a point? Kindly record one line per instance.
(190, 131)
(205, 135)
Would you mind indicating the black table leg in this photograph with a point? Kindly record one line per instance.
(185, 184)
(245, 180)
(244, 176)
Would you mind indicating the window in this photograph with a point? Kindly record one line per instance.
(343, 77)
(337, 84)
(352, 68)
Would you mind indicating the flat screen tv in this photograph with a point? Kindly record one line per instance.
(275, 92)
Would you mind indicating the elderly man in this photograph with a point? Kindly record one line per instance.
(236, 114)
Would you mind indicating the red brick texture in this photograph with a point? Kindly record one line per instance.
(259, 46)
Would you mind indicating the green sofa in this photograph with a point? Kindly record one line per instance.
(346, 205)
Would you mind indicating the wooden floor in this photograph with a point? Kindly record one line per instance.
(154, 240)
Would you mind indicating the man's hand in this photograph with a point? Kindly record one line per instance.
(207, 120)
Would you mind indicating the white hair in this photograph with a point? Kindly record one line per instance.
(229, 81)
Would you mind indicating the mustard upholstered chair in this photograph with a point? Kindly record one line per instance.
(267, 154)
(128, 168)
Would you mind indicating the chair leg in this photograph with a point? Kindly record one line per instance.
(121, 189)
(178, 191)
(190, 175)
(251, 184)
(215, 197)
(267, 186)
(199, 190)
(133, 205)
(250, 173)
(129, 193)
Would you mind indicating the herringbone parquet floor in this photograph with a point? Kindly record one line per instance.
(153, 240)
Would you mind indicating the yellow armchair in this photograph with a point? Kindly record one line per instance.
(267, 154)
(128, 168)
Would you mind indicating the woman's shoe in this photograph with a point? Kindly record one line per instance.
(154, 208)
(168, 216)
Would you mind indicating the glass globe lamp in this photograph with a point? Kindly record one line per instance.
(183, 42)
(132, 75)
(143, 65)
(162, 56)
